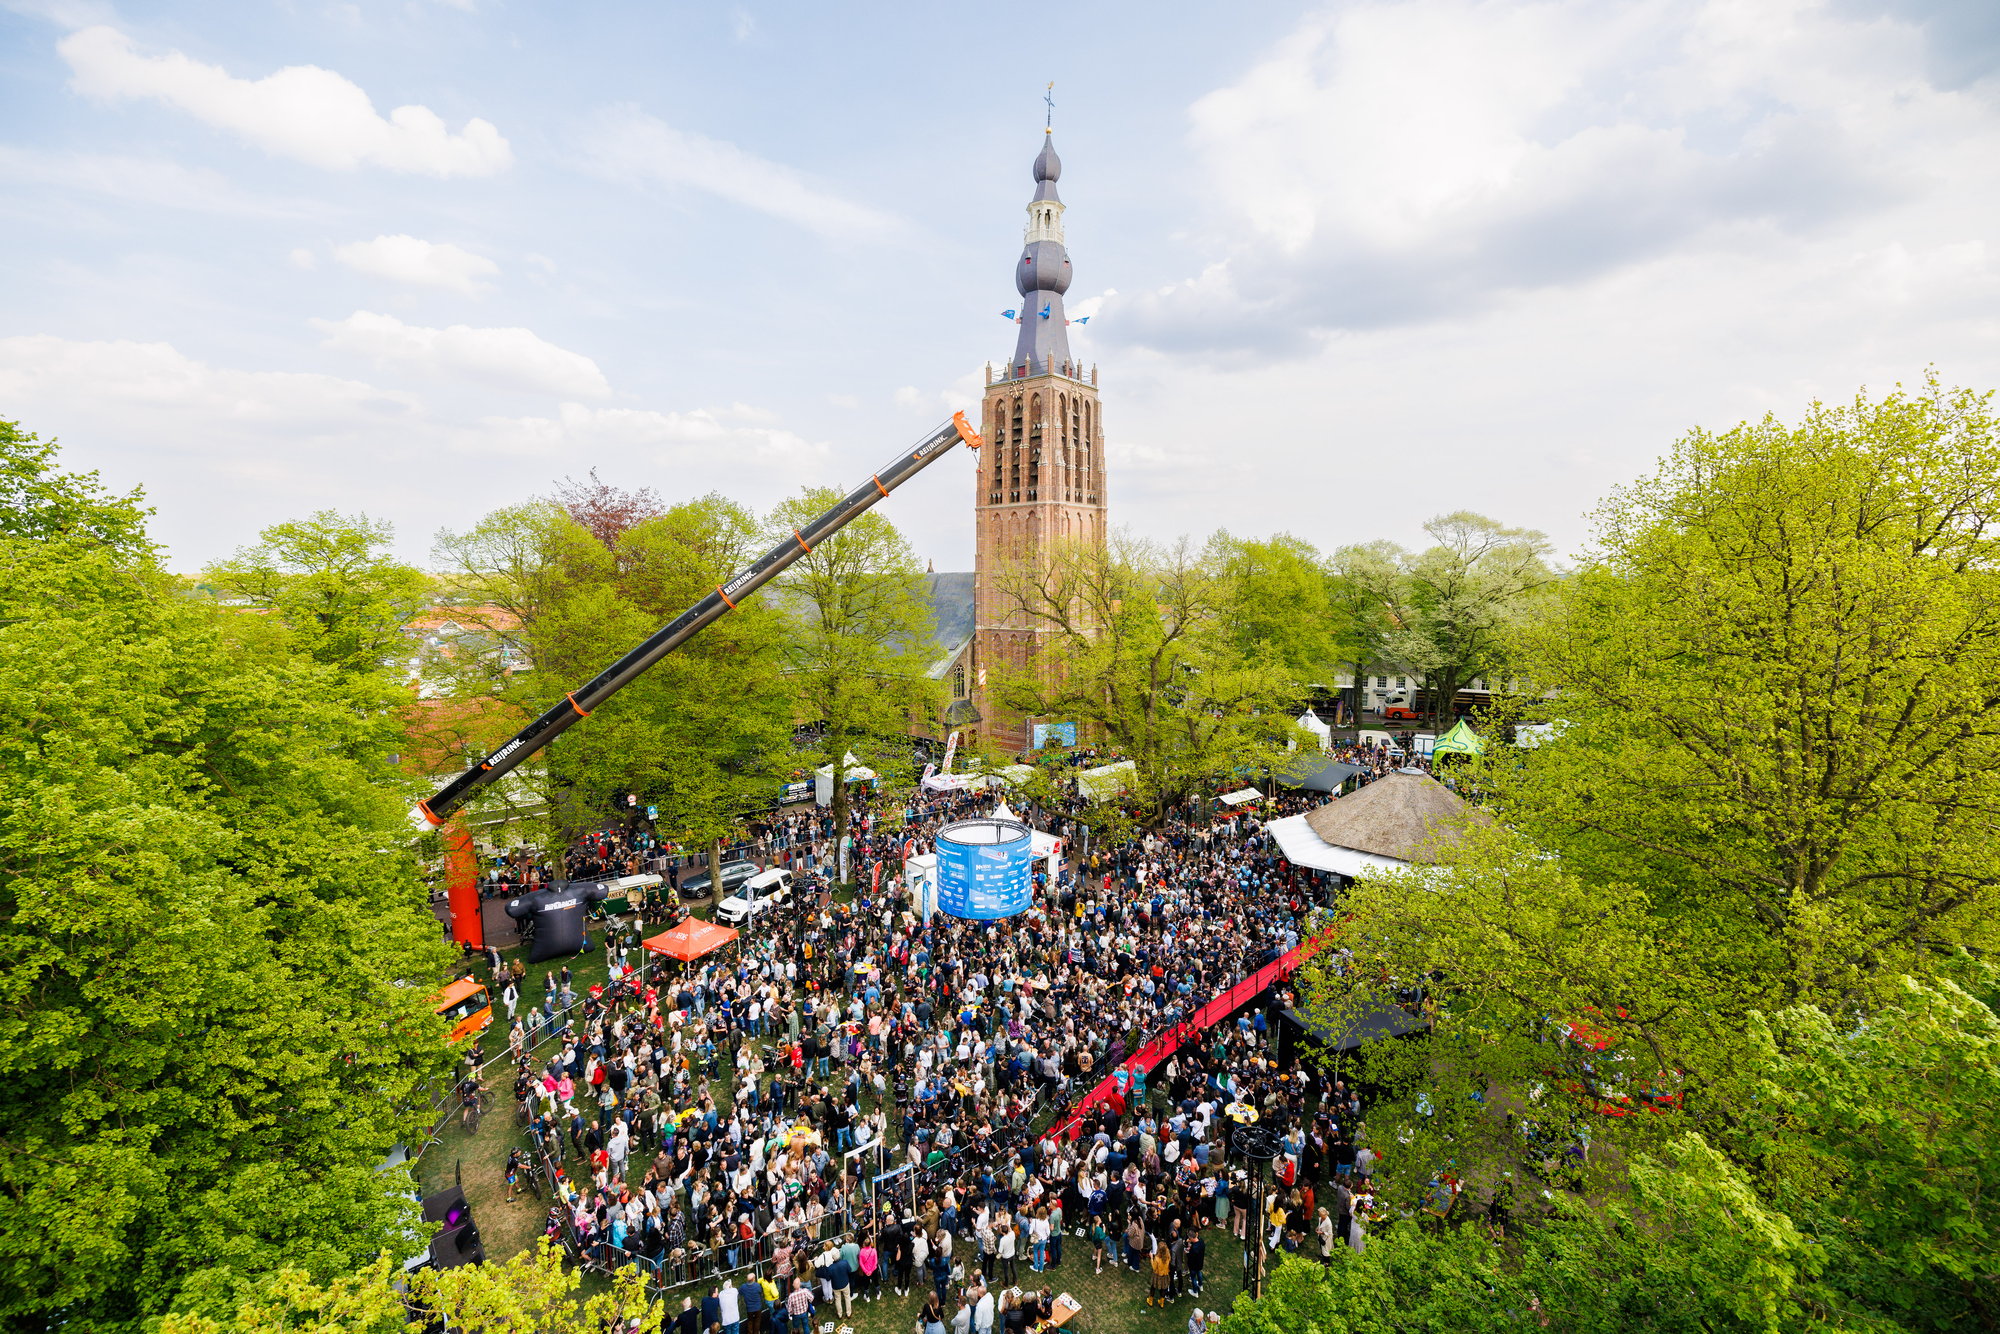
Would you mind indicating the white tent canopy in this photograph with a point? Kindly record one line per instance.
(1303, 847)
(1107, 780)
(1045, 847)
(1241, 797)
(823, 778)
(1311, 722)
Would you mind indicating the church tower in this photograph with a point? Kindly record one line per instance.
(1041, 475)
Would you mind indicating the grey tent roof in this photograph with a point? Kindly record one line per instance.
(1317, 773)
(1373, 1024)
(1400, 815)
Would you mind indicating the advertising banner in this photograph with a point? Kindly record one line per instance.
(1054, 734)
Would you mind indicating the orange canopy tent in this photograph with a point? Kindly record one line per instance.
(691, 939)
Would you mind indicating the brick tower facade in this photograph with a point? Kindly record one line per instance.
(1041, 476)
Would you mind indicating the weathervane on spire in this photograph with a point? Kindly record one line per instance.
(1049, 98)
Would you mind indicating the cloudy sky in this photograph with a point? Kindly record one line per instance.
(1350, 265)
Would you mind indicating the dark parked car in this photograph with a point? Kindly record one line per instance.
(695, 888)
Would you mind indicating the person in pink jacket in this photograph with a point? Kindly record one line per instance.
(870, 1264)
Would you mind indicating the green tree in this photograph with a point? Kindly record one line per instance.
(1452, 610)
(858, 640)
(499, 578)
(532, 1290)
(720, 708)
(1779, 680)
(697, 734)
(1886, 1146)
(1730, 896)
(1276, 604)
(1132, 641)
(1691, 1249)
(329, 580)
(215, 953)
(1359, 620)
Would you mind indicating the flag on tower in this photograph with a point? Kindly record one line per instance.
(1010, 315)
(1045, 310)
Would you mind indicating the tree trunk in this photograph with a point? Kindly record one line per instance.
(715, 869)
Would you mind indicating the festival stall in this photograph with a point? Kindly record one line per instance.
(690, 940)
(823, 778)
(1317, 773)
(1460, 740)
(1107, 780)
(1312, 723)
(1046, 848)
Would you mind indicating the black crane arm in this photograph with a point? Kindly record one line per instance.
(578, 704)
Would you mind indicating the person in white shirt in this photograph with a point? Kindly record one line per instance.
(982, 1315)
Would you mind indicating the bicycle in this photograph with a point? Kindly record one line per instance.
(471, 1102)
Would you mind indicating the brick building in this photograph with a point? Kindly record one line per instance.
(1041, 476)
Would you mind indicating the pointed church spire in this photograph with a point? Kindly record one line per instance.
(1043, 274)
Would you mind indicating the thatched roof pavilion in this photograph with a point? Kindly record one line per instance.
(1395, 820)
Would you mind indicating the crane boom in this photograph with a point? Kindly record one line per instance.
(579, 704)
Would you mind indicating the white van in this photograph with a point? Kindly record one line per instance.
(758, 893)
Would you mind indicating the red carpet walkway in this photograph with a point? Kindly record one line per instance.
(1208, 1016)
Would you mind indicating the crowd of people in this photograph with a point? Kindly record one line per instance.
(853, 1101)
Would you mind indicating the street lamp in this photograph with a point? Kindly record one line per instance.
(1260, 1145)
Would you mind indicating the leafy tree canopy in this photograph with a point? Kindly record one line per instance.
(215, 955)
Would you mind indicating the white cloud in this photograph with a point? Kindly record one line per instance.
(628, 145)
(742, 23)
(406, 259)
(703, 438)
(138, 180)
(159, 378)
(304, 259)
(222, 452)
(1393, 163)
(507, 358)
(301, 111)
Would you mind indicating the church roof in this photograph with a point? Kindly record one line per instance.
(1048, 167)
(1401, 815)
(1041, 276)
